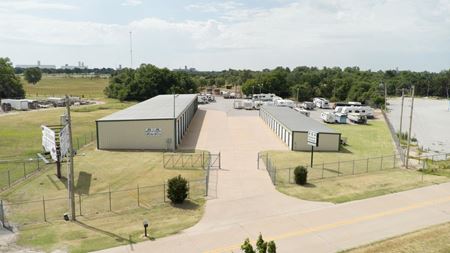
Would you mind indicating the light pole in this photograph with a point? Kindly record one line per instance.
(385, 94)
(410, 127)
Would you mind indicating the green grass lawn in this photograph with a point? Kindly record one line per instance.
(61, 85)
(433, 240)
(336, 178)
(96, 172)
(367, 185)
(363, 141)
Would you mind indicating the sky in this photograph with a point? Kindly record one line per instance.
(217, 35)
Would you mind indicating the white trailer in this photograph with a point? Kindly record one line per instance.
(248, 104)
(321, 103)
(17, 104)
(328, 117)
(238, 104)
(357, 118)
(363, 110)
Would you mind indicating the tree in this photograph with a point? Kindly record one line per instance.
(177, 190)
(10, 85)
(33, 75)
(261, 246)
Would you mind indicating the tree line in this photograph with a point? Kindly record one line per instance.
(148, 81)
(348, 84)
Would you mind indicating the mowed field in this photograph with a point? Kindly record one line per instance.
(433, 240)
(60, 85)
(136, 180)
(363, 141)
(103, 223)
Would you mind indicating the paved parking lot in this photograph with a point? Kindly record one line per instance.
(431, 122)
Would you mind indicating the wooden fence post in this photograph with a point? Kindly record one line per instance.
(367, 166)
(24, 170)
(164, 191)
(323, 168)
(381, 162)
(9, 179)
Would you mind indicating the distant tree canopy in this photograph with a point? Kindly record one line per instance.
(32, 75)
(10, 85)
(336, 84)
(148, 81)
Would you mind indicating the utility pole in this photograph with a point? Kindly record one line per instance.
(385, 97)
(410, 126)
(298, 90)
(70, 180)
(131, 49)
(401, 113)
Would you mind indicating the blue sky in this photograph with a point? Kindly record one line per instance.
(215, 35)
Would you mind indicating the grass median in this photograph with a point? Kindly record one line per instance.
(432, 239)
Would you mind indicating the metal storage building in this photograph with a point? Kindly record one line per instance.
(158, 123)
(292, 128)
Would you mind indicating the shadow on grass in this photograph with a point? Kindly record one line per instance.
(107, 233)
(83, 183)
(345, 150)
(187, 205)
(309, 185)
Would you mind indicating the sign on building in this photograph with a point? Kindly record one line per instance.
(153, 131)
(313, 138)
(64, 141)
(49, 141)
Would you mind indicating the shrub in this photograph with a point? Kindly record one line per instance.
(301, 175)
(261, 246)
(177, 190)
(271, 247)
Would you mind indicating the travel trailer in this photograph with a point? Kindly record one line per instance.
(321, 103)
(308, 105)
(328, 117)
(284, 103)
(341, 118)
(263, 97)
(357, 118)
(248, 104)
(363, 110)
(238, 104)
(17, 104)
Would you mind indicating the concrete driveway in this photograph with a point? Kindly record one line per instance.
(246, 203)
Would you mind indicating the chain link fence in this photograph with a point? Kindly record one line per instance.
(48, 209)
(328, 170)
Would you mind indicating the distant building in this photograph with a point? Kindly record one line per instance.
(186, 69)
(38, 65)
(80, 66)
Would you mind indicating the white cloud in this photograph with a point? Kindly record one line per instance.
(21, 5)
(374, 35)
(132, 2)
(214, 7)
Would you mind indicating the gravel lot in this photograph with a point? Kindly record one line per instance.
(431, 121)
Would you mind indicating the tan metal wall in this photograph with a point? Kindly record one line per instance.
(132, 135)
(327, 142)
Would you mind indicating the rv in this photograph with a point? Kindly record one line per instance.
(341, 118)
(284, 103)
(363, 110)
(302, 111)
(257, 104)
(248, 104)
(328, 117)
(16, 104)
(321, 103)
(357, 118)
(202, 99)
(308, 105)
(263, 97)
(238, 104)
